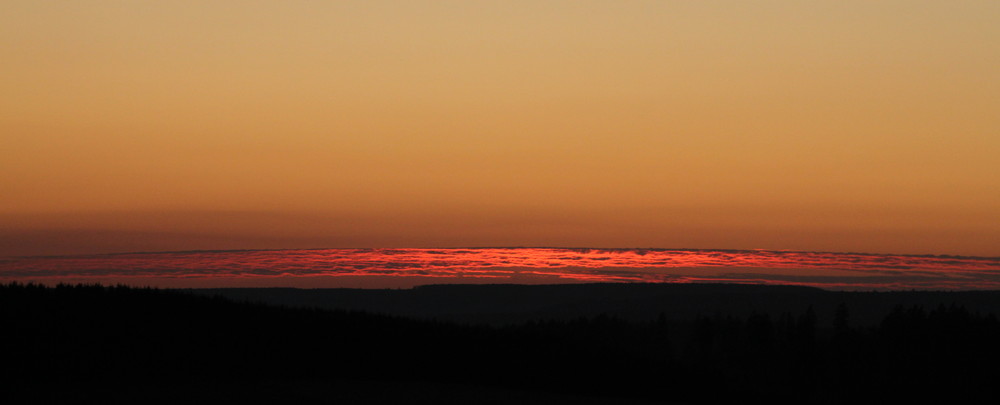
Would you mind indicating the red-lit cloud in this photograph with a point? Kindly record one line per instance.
(385, 267)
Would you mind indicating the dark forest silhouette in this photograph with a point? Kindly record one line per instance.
(120, 344)
(502, 304)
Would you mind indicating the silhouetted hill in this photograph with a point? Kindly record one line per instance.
(94, 344)
(510, 304)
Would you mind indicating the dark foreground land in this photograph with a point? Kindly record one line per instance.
(497, 344)
(506, 304)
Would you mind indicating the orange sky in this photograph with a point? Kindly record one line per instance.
(823, 125)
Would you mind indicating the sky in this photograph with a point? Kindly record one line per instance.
(842, 126)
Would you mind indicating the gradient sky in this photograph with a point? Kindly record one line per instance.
(864, 126)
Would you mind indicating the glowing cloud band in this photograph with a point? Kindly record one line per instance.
(335, 267)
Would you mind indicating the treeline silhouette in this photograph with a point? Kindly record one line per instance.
(90, 343)
(504, 304)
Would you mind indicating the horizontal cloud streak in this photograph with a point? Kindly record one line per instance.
(821, 269)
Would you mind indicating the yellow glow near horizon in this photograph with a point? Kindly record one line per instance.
(826, 125)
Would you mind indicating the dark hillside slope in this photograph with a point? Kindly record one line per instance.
(510, 304)
(93, 344)
(122, 345)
